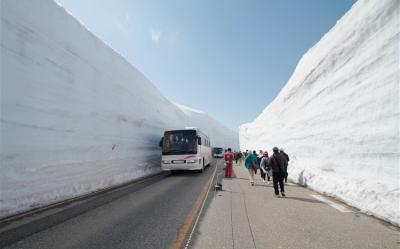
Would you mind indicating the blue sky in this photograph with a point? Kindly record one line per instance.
(229, 58)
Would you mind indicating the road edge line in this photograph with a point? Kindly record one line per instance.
(200, 212)
(196, 209)
(334, 205)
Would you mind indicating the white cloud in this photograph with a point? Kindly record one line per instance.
(124, 24)
(155, 35)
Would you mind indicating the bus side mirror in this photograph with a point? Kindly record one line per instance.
(161, 142)
(199, 140)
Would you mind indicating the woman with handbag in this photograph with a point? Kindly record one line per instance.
(251, 164)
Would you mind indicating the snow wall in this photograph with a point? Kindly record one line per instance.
(338, 115)
(75, 116)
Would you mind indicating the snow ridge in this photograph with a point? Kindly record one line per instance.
(76, 117)
(220, 135)
(339, 114)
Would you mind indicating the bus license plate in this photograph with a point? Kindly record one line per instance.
(178, 161)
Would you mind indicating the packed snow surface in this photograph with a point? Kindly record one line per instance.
(338, 115)
(75, 116)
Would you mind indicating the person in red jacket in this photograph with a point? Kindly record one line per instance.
(228, 161)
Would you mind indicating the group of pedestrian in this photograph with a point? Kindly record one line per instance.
(238, 156)
(274, 166)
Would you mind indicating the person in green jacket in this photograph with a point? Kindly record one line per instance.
(249, 163)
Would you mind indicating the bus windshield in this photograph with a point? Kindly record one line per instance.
(179, 142)
(218, 150)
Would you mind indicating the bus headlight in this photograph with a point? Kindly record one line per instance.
(166, 162)
(191, 161)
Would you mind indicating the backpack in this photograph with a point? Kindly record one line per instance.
(280, 167)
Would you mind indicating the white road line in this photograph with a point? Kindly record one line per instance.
(339, 207)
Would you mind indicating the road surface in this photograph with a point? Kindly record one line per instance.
(155, 213)
(163, 211)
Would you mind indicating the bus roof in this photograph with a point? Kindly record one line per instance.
(190, 128)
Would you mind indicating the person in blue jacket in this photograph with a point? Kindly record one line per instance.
(251, 164)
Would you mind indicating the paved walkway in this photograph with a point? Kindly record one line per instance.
(242, 216)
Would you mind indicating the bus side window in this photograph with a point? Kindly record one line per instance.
(199, 140)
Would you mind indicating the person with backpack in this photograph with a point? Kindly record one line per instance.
(251, 165)
(264, 166)
(277, 164)
(286, 162)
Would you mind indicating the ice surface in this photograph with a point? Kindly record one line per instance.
(338, 115)
(76, 116)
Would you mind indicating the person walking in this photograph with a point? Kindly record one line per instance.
(235, 156)
(228, 156)
(264, 167)
(286, 156)
(240, 157)
(257, 162)
(251, 164)
(277, 164)
(260, 155)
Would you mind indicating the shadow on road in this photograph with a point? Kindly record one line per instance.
(264, 185)
(304, 199)
(184, 172)
(190, 172)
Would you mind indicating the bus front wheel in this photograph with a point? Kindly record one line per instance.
(202, 169)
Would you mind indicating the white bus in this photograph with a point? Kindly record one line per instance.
(186, 149)
(218, 152)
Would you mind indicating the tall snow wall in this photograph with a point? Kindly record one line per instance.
(219, 135)
(75, 116)
(338, 115)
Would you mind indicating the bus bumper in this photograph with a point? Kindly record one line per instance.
(183, 166)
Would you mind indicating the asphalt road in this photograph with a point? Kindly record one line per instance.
(148, 214)
(162, 212)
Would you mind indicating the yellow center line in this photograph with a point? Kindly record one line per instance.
(197, 209)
